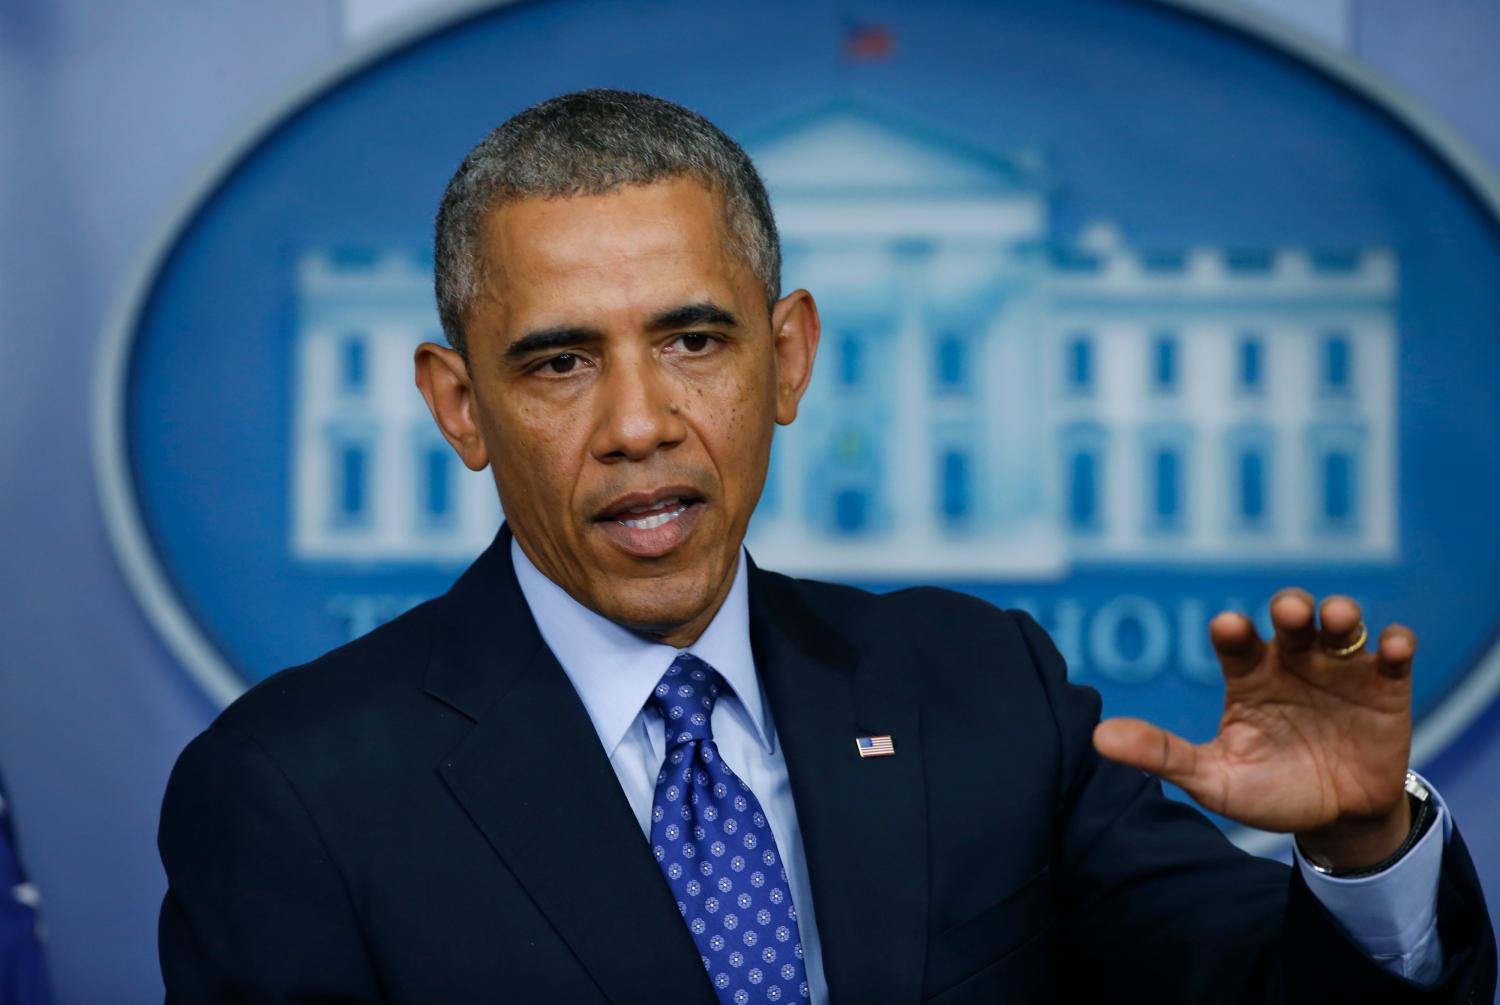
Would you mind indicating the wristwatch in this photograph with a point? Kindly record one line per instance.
(1423, 813)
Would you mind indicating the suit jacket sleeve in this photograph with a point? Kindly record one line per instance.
(1153, 896)
(255, 910)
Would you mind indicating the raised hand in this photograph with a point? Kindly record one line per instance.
(1315, 734)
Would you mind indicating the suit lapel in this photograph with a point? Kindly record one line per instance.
(534, 779)
(863, 821)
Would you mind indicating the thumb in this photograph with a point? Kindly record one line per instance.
(1152, 749)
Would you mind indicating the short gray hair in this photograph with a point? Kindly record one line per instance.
(589, 143)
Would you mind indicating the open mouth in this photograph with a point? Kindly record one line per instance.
(652, 517)
(651, 524)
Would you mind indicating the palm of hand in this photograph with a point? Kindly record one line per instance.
(1307, 739)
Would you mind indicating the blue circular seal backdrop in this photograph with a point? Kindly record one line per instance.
(1130, 316)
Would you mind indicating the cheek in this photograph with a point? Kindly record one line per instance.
(533, 457)
(741, 413)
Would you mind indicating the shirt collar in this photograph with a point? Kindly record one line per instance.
(613, 669)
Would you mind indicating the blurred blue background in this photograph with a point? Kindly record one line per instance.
(109, 113)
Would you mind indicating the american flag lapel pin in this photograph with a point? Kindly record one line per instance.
(874, 746)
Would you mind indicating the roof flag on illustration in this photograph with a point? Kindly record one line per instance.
(867, 41)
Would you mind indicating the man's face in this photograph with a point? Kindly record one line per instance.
(624, 379)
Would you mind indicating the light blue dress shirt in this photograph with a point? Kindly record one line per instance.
(1393, 914)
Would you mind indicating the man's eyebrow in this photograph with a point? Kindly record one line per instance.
(573, 336)
(548, 339)
(692, 315)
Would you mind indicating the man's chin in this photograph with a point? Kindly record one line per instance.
(670, 608)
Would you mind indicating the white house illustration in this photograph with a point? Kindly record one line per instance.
(989, 401)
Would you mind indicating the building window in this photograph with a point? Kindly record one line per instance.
(1336, 466)
(1083, 490)
(851, 361)
(850, 482)
(352, 462)
(1249, 500)
(1251, 364)
(1164, 476)
(1079, 364)
(1337, 364)
(849, 446)
(1166, 485)
(437, 483)
(1083, 451)
(851, 510)
(955, 485)
(1164, 363)
(353, 364)
(952, 364)
(1338, 488)
(1252, 494)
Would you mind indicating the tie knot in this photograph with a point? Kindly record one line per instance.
(685, 698)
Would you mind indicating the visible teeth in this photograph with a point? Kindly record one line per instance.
(659, 504)
(653, 522)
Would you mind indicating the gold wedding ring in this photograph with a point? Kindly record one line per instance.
(1360, 638)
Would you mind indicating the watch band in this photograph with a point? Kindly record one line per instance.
(1423, 815)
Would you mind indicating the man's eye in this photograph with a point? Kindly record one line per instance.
(694, 341)
(561, 364)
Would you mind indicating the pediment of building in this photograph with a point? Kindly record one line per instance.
(848, 148)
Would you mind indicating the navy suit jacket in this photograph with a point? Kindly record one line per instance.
(426, 816)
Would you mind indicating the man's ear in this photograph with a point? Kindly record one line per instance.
(443, 379)
(795, 328)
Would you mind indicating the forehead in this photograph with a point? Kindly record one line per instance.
(668, 238)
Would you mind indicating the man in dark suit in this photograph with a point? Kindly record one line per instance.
(616, 762)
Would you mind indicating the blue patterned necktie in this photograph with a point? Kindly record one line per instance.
(717, 851)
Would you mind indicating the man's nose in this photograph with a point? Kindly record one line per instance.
(640, 413)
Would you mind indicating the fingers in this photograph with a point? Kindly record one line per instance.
(1343, 624)
(1236, 642)
(1292, 617)
(1297, 630)
(1394, 651)
(1342, 627)
(1152, 749)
